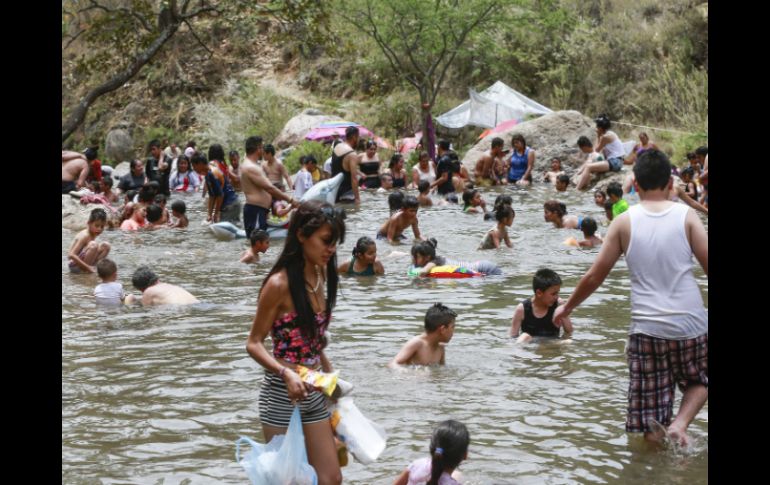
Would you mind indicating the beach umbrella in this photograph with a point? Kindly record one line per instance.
(327, 131)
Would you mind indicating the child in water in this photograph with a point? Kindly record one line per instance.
(501, 199)
(556, 212)
(562, 182)
(364, 261)
(154, 215)
(615, 194)
(178, 209)
(589, 232)
(600, 198)
(260, 241)
(534, 316)
(160, 200)
(156, 293)
(110, 292)
(504, 215)
(472, 201)
(448, 448)
(393, 229)
(424, 198)
(428, 348)
(84, 251)
(136, 221)
(424, 259)
(395, 201)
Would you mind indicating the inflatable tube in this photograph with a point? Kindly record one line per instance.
(325, 190)
(227, 231)
(446, 271)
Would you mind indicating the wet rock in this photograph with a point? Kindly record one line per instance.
(296, 128)
(119, 145)
(121, 169)
(74, 215)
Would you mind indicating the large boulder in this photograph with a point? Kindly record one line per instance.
(296, 128)
(552, 135)
(121, 169)
(119, 145)
(74, 215)
(602, 180)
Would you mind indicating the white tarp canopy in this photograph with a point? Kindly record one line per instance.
(491, 107)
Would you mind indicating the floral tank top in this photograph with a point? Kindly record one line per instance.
(290, 345)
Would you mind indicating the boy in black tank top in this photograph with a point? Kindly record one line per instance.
(534, 316)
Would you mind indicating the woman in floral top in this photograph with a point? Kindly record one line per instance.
(293, 309)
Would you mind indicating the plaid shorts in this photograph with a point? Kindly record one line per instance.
(655, 365)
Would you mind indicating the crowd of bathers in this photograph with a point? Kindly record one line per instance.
(270, 193)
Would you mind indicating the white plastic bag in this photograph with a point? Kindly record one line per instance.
(364, 439)
(282, 461)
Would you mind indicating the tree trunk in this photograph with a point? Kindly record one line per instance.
(428, 138)
(79, 114)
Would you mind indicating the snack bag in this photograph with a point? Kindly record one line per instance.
(326, 382)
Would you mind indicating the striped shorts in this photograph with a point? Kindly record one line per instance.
(656, 365)
(275, 408)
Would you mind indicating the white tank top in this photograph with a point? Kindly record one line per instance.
(665, 299)
(430, 176)
(613, 149)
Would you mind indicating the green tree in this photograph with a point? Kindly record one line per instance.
(420, 39)
(113, 40)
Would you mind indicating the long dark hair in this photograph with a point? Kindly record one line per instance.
(448, 447)
(306, 220)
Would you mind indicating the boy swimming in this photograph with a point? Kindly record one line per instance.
(110, 292)
(393, 229)
(428, 348)
(260, 241)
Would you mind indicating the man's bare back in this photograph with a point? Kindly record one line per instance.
(166, 294)
(73, 170)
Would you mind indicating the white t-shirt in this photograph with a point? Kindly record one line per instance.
(302, 182)
(109, 293)
(328, 165)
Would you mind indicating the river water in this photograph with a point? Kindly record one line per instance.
(159, 395)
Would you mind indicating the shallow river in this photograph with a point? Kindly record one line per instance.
(159, 396)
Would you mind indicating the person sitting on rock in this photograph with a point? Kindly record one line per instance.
(74, 170)
(594, 163)
(484, 170)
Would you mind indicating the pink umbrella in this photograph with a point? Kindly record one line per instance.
(327, 134)
(409, 144)
(327, 131)
(505, 125)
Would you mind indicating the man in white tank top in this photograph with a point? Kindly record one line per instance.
(668, 336)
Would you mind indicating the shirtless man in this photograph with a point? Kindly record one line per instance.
(276, 171)
(485, 165)
(257, 188)
(74, 170)
(345, 160)
(156, 293)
